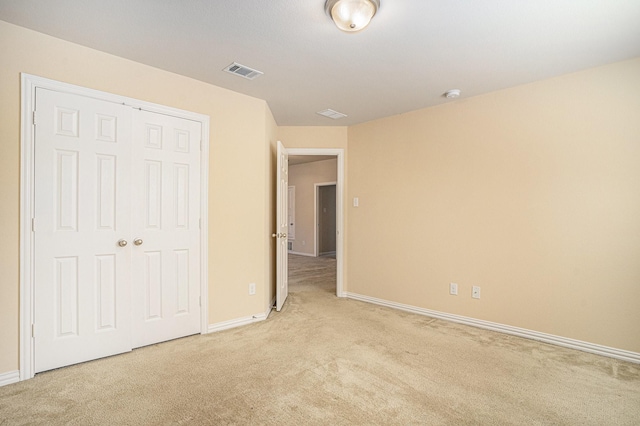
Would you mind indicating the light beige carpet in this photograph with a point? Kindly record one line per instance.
(325, 360)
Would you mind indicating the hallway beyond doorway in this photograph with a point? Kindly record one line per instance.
(312, 273)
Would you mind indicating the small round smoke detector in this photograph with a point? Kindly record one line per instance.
(452, 94)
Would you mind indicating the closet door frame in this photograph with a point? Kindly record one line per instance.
(29, 83)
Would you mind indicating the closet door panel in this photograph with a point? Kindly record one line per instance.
(82, 210)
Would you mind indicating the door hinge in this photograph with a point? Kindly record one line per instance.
(201, 144)
(33, 224)
(34, 118)
(200, 301)
(200, 223)
(33, 330)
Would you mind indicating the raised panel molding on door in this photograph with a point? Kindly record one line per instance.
(113, 224)
(291, 212)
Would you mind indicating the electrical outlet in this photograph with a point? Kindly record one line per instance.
(252, 289)
(453, 289)
(475, 292)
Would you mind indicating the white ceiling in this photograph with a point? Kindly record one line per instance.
(413, 51)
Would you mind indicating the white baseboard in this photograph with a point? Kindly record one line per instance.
(302, 254)
(9, 377)
(238, 322)
(508, 329)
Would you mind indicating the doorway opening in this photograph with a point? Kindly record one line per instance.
(319, 237)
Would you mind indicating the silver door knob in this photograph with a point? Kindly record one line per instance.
(122, 243)
(137, 241)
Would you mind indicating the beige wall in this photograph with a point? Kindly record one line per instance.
(532, 193)
(238, 167)
(304, 177)
(313, 137)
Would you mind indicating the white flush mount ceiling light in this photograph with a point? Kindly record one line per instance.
(351, 15)
(452, 94)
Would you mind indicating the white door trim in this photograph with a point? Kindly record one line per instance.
(29, 83)
(339, 153)
(316, 203)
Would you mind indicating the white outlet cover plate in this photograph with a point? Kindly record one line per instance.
(453, 289)
(475, 292)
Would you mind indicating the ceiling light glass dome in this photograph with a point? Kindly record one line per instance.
(351, 15)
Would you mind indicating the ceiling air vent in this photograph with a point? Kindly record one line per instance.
(242, 71)
(332, 114)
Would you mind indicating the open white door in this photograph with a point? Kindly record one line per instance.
(282, 226)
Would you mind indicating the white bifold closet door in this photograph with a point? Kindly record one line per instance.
(166, 206)
(116, 238)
